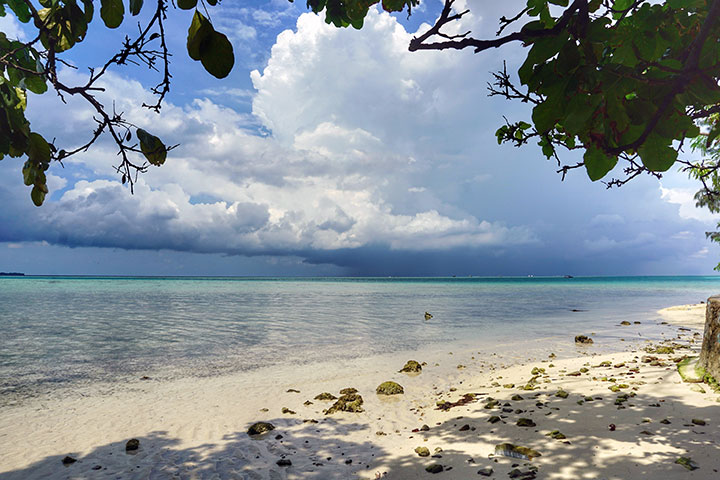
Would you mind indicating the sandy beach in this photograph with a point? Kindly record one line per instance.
(623, 415)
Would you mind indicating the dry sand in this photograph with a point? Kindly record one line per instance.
(196, 427)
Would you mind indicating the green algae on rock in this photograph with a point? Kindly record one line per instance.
(556, 435)
(389, 388)
(346, 391)
(583, 339)
(687, 462)
(260, 427)
(690, 371)
(434, 468)
(516, 451)
(325, 396)
(422, 451)
(525, 422)
(350, 402)
(411, 367)
(561, 394)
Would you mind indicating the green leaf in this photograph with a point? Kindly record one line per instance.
(200, 29)
(38, 149)
(89, 10)
(598, 163)
(657, 154)
(186, 4)
(28, 172)
(546, 114)
(21, 10)
(136, 6)
(217, 55)
(112, 12)
(151, 146)
(38, 195)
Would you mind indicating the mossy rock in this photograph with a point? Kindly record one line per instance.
(260, 427)
(422, 451)
(698, 421)
(690, 371)
(389, 388)
(492, 404)
(516, 398)
(434, 468)
(351, 402)
(132, 445)
(537, 371)
(347, 391)
(412, 367)
(287, 411)
(525, 422)
(494, 419)
(583, 340)
(625, 323)
(325, 396)
(584, 370)
(561, 394)
(687, 462)
(516, 451)
(556, 435)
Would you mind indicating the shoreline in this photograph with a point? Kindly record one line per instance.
(197, 426)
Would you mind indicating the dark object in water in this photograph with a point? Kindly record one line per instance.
(68, 460)
(428, 316)
(132, 445)
(583, 339)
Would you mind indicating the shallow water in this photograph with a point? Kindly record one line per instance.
(62, 331)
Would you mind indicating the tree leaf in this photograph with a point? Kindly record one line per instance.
(38, 149)
(112, 12)
(38, 195)
(151, 146)
(136, 6)
(657, 154)
(200, 29)
(598, 163)
(89, 10)
(186, 4)
(21, 10)
(217, 55)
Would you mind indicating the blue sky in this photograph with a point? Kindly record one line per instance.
(332, 152)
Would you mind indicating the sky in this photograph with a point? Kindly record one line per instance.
(331, 152)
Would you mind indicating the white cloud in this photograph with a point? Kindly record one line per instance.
(11, 27)
(685, 199)
(341, 106)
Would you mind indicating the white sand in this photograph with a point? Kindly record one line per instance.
(692, 315)
(196, 428)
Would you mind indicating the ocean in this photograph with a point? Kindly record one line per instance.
(58, 332)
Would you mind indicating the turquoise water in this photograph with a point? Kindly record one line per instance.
(57, 331)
